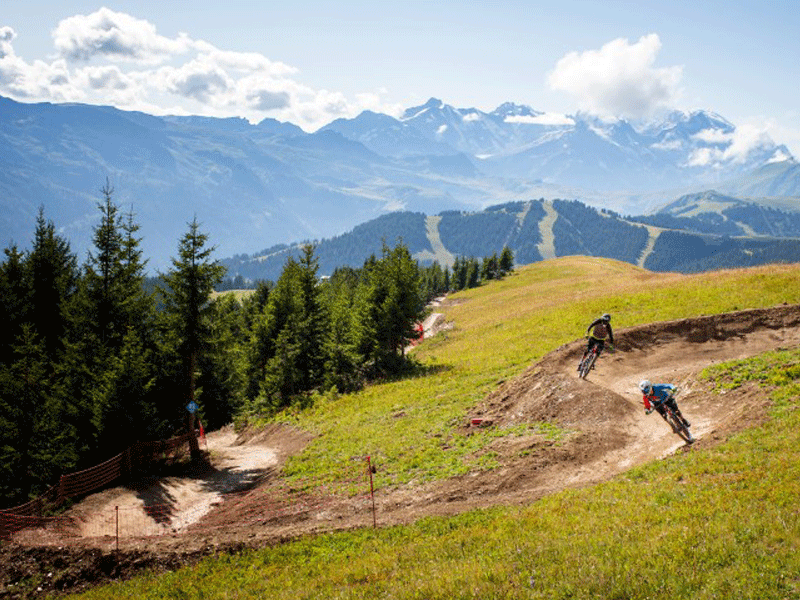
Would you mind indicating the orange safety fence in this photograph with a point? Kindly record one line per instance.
(106, 525)
(81, 483)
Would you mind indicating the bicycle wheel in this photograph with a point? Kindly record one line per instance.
(679, 428)
(586, 366)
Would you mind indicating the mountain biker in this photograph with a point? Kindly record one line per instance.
(598, 332)
(656, 396)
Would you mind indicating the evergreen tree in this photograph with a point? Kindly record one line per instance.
(490, 268)
(289, 345)
(506, 260)
(187, 309)
(459, 279)
(343, 367)
(33, 451)
(222, 363)
(14, 301)
(472, 273)
(124, 409)
(390, 307)
(53, 278)
(112, 314)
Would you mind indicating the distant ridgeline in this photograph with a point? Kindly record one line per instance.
(696, 233)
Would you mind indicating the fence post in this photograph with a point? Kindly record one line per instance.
(116, 535)
(61, 485)
(372, 492)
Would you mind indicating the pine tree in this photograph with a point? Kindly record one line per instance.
(14, 301)
(111, 314)
(289, 347)
(33, 449)
(222, 363)
(53, 278)
(343, 368)
(391, 305)
(506, 260)
(188, 308)
(472, 273)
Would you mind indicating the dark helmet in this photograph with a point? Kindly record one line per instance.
(606, 317)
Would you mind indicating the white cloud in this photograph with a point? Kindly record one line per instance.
(713, 136)
(109, 57)
(198, 79)
(115, 36)
(6, 35)
(746, 138)
(736, 145)
(779, 156)
(107, 77)
(471, 117)
(668, 145)
(541, 119)
(619, 79)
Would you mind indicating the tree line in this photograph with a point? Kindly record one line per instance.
(97, 356)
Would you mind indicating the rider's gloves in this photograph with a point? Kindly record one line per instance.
(647, 411)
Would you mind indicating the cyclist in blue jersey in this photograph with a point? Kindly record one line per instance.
(656, 396)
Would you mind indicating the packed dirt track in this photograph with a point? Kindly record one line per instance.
(607, 434)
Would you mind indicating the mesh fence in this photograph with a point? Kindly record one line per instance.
(105, 524)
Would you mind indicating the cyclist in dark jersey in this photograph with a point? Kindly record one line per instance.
(598, 332)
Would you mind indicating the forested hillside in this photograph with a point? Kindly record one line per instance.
(686, 236)
(96, 356)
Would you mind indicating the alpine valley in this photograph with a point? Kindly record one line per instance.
(672, 194)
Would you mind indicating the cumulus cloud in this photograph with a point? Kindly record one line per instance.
(6, 36)
(115, 36)
(619, 79)
(109, 57)
(733, 147)
(105, 78)
(713, 136)
(266, 100)
(541, 119)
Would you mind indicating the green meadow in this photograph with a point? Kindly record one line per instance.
(715, 523)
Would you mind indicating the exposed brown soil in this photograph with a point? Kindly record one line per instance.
(609, 433)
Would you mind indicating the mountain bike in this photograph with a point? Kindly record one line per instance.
(675, 422)
(587, 362)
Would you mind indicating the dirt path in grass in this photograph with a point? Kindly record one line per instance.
(608, 434)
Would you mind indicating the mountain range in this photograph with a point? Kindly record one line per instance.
(254, 186)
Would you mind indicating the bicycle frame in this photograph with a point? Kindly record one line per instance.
(673, 421)
(588, 362)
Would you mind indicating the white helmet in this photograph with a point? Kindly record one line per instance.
(606, 317)
(645, 386)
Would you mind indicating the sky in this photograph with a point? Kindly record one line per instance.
(310, 62)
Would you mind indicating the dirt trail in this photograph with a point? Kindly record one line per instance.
(609, 433)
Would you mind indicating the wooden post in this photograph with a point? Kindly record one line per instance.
(372, 493)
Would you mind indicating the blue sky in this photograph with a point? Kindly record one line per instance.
(311, 62)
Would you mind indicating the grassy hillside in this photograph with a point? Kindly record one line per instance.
(716, 523)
